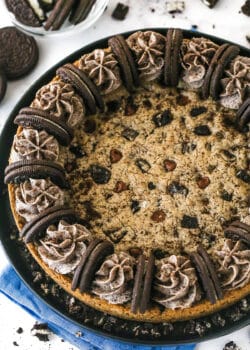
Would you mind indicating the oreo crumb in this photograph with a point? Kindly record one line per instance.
(231, 346)
(189, 222)
(19, 330)
(246, 8)
(15, 343)
(197, 111)
(41, 331)
(120, 12)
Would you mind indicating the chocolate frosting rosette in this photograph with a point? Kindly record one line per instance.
(176, 284)
(102, 67)
(112, 280)
(35, 195)
(63, 246)
(234, 264)
(148, 48)
(61, 101)
(32, 144)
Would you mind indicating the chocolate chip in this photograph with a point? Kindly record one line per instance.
(99, 174)
(115, 155)
(243, 175)
(203, 182)
(147, 103)
(169, 165)
(135, 206)
(135, 252)
(120, 186)
(85, 186)
(77, 151)
(130, 134)
(197, 111)
(89, 126)
(202, 130)
(226, 196)
(176, 188)
(130, 106)
(120, 11)
(151, 186)
(158, 216)
(163, 118)
(159, 253)
(113, 106)
(189, 222)
(182, 100)
(228, 155)
(143, 165)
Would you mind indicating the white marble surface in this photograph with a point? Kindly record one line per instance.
(225, 21)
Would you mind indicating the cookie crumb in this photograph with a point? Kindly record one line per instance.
(120, 12)
(15, 343)
(246, 8)
(41, 331)
(19, 330)
(231, 346)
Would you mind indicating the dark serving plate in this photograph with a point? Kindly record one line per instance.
(87, 319)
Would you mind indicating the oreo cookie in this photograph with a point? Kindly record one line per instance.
(18, 54)
(125, 59)
(172, 62)
(41, 120)
(207, 274)
(84, 86)
(238, 230)
(36, 227)
(23, 12)
(20, 171)
(91, 260)
(81, 10)
(222, 57)
(243, 114)
(3, 84)
(142, 284)
(59, 14)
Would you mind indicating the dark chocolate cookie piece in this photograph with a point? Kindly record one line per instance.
(228, 55)
(243, 114)
(138, 284)
(172, 57)
(211, 269)
(23, 12)
(125, 60)
(120, 12)
(19, 52)
(81, 10)
(3, 84)
(205, 279)
(59, 14)
(147, 286)
(41, 120)
(36, 227)
(238, 230)
(37, 169)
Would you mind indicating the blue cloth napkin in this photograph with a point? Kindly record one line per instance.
(14, 289)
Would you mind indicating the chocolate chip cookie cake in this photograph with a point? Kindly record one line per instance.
(129, 176)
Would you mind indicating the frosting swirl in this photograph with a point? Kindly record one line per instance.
(234, 262)
(35, 195)
(63, 246)
(196, 55)
(148, 48)
(176, 283)
(61, 101)
(112, 279)
(102, 67)
(33, 144)
(236, 83)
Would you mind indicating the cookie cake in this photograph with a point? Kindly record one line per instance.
(129, 176)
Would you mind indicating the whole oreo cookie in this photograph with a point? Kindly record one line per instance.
(19, 52)
(243, 114)
(23, 12)
(39, 119)
(37, 169)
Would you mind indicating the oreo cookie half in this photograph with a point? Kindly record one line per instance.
(22, 170)
(91, 260)
(85, 87)
(238, 230)
(243, 114)
(172, 62)
(39, 119)
(142, 284)
(125, 59)
(23, 12)
(37, 226)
